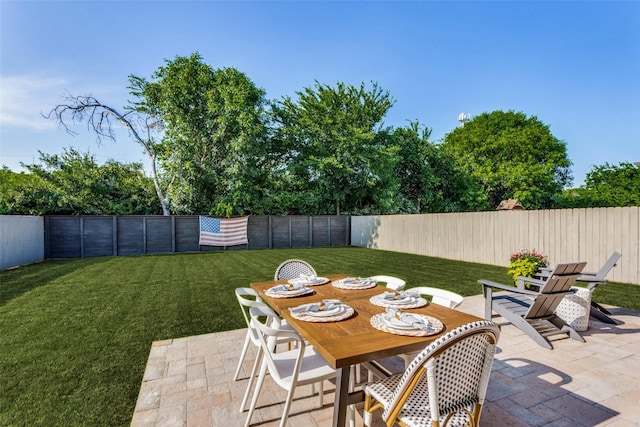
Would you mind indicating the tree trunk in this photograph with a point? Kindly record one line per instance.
(156, 183)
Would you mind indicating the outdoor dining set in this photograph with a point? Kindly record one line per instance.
(308, 329)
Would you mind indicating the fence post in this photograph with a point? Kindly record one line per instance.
(114, 234)
(144, 234)
(347, 229)
(173, 234)
(81, 237)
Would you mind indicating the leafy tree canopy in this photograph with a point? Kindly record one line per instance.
(606, 186)
(332, 150)
(429, 180)
(511, 156)
(213, 151)
(72, 183)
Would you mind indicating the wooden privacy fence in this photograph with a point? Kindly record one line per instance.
(86, 236)
(565, 235)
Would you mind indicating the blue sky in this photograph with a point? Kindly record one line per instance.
(573, 64)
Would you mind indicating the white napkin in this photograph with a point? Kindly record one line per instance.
(401, 295)
(408, 318)
(329, 304)
(287, 288)
(308, 277)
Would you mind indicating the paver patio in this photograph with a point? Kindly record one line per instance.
(189, 381)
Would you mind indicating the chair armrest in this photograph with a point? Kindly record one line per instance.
(589, 273)
(591, 279)
(530, 281)
(490, 284)
(487, 291)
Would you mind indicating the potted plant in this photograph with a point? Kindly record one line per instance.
(525, 263)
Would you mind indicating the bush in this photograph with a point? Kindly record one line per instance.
(525, 263)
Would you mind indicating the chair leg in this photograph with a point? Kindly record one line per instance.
(256, 393)
(320, 394)
(366, 415)
(351, 409)
(599, 307)
(601, 316)
(243, 353)
(254, 370)
(287, 405)
(528, 329)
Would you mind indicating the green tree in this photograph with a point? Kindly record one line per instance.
(72, 183)
(214, 148)
(511, 156)
(23, 193)
(333, 154)
(428, 178)
(605, 186)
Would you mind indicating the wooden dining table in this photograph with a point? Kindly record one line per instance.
(354, 340)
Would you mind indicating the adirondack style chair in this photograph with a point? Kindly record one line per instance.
(533, 311)
(593, 280)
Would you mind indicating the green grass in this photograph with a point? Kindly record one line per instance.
(75, 334)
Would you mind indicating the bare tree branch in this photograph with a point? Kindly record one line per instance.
(100, 118)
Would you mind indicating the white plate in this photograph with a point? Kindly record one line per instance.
(326, 313)
(275, 290)
(316, 281)
(399, 301)
(392, 322)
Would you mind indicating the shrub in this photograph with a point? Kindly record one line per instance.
(525, 263)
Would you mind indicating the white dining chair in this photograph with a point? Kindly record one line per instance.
(289, 369)
(391, 282)
(438, 296)
(248, 298)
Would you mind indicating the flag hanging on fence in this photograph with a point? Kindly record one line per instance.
(223, 231)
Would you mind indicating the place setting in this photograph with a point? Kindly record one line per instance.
(309, 280)
(354, 283)
(328, 310)
(398, 299)
(288, 290)
(398, 322)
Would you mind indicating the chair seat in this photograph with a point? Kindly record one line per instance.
(415, 412)
(313, 368)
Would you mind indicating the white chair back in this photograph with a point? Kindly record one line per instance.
(248, 298)
(394, 283)
(440, 296)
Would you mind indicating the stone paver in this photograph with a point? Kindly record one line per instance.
(188, 382)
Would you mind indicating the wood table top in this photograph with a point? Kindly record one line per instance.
(355, 340)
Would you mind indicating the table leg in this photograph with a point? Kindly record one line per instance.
(342, 397)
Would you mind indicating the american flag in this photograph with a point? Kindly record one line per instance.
(223, 231)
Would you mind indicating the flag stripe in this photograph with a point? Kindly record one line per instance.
(223, 231)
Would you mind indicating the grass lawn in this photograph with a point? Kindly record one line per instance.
(75, 334)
